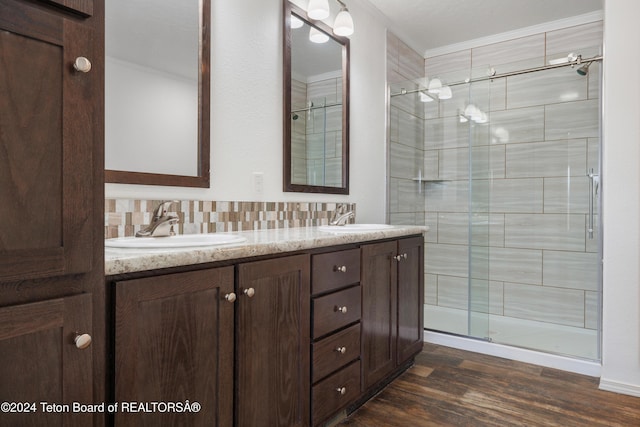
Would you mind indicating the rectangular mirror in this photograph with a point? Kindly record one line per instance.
(157, 92)
(316, 106)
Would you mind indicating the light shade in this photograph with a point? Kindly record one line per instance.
(425, 98)
(318, 9)
(445, 93)
(434, 86)
(317, 36)
(296, 22)
(343, 25)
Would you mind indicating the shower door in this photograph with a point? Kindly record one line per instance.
(508, 172)
(539, 176)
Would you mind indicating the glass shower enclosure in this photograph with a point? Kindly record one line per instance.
(506, 175)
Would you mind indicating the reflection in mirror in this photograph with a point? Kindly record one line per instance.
(157, 92)
(316, 106)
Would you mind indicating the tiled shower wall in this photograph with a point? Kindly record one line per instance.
(316, 147)
(123, 217)
(406, 135)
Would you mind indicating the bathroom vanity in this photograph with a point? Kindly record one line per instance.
(290, 328)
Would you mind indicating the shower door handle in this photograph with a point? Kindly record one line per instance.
(594, 184)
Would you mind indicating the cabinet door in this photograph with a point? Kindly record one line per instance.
(173, 343)
(41, 363)
(272, 336)
(379, 311)
(410, 298)
(46, 143)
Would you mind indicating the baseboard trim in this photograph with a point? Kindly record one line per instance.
(618, 387)
(584, 367)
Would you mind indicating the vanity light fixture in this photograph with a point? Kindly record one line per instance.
(317, 36)
(318, 9)
(343, 25)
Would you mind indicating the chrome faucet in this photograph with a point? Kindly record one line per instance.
(341, 215)
(161, 223)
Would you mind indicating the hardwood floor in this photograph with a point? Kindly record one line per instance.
(450, 387)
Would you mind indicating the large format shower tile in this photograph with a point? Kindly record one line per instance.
(545, 231)
(575, 270)
(515, 265)
(547, 159)
(572, 120)
(547, 87)
(566, 195)
(519, 125)
(450, 260)
(546, 304)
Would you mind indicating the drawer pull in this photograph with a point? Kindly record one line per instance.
(231, 297)
(342, 309)
(342, 390)
(250, 292)
(340, 268)
(341, 350)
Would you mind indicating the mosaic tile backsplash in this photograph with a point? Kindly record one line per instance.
(123, 217)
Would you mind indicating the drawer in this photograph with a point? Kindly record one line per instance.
(327, 396)
(333, 311)
(334, 270)
(335, 351)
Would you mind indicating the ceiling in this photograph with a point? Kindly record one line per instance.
(430, 24)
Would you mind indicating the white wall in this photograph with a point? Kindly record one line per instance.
(246, 111)
(621, 198)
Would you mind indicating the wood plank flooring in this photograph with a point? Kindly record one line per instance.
(450, 387)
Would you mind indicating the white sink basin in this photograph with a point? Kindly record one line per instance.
(179, 241)
(354, 228)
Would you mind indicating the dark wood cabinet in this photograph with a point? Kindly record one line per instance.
(255, 346)
(410, 332)
(174, 343)
(392, 298)
(379, 311)
(42, 364)
(336, 308)
(225, 337)
(51, 210)
(47, 119)
(272, 343)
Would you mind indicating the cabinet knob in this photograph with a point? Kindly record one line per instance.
(340, 268)
(82, 341)
(231, 297)
(341, 350)
(82, 64)
(342, 390)
(342, 309)
(400, 257)
(249, 292)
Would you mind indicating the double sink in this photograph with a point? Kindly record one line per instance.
(222, 239)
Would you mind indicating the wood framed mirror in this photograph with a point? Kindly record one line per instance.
(157, 92)
(316, 106)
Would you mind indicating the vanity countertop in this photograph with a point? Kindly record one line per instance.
(258, 242)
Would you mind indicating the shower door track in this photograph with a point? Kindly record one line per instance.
(573, 63)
